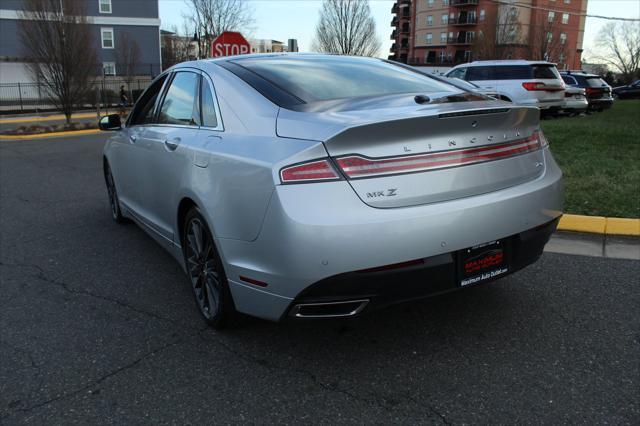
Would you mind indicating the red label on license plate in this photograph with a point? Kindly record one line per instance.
(483, 262)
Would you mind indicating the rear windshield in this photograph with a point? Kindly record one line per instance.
(595, 82)
(323, 79)
(545, 71)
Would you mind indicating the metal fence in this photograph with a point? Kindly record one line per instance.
(33, 97)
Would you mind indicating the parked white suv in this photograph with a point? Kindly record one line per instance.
(533, 83)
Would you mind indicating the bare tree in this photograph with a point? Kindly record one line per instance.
(618, 45)
(211, 18)
(546, 39)
(60, 48)
(127, 59)
(499, 34)
(346, 27)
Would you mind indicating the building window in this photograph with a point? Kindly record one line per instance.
(430, 20)
(445, 2)
(563, 38)
(561, 58)
(567, 1)
(109, 68)
(429, 38)
(106, 35)
(104, 6)
(549, 36)
(443, 38)
(430, 3)
(552, 16)
(482, 14)
(444, 19)
(565, 18)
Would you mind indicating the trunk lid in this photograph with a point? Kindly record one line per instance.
(412, 155)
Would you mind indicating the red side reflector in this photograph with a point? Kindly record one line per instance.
(355, 166)
(252, 281)
(309, 172)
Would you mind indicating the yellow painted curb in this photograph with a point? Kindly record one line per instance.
(57, 117)
(577, 223)
(50, 135)
(621, 226)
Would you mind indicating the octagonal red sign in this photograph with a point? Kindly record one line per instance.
(229, 43)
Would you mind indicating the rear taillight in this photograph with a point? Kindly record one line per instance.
(537, 86)
(317, 170)
(593, 90)
(355, 166)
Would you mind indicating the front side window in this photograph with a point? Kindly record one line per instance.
(179, 105)
(106, 35)
(104, 6)
(479, 73)
(143, 111)
(457, 73)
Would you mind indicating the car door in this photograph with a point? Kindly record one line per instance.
(128, 162)
(168, 150)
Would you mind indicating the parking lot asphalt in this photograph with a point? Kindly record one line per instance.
(98, 325)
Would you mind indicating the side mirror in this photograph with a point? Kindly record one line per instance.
(110, 122)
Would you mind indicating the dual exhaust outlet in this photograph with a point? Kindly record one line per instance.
(347, 308)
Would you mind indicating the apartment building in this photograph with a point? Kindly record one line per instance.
(110, 20)
(447, 32)
(269, 46)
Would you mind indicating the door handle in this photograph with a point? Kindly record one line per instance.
(133, 138)
(172, 144)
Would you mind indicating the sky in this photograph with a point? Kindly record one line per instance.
(285, 19)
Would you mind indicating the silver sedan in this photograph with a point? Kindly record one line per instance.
(313, 186)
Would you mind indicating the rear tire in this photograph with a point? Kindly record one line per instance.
(206, 273)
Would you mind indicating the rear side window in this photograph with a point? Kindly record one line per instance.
(322, 79)
(479, 73)
(595, 82)
(545, 71)
(512, 72)
(209, 116)
(179, 105)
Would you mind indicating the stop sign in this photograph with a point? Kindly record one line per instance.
(229, 43)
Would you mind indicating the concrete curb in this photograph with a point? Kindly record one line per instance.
(45, 118)
(50, 135)
(600, 225)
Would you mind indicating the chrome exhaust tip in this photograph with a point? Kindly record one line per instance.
(346, 308)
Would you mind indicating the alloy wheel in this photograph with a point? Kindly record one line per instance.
(201, 265)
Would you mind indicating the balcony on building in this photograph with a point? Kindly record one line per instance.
(461, 3)
(394, 47)
(405, 29)
(404, 44)
(405, 3)
(406, 13)
(462, 38)
(394, 21)
(395, 8)
(463, 19)
(394, 34)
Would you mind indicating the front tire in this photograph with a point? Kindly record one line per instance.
(114, 202)
(206, 273)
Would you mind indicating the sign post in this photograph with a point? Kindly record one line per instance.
(229, 43)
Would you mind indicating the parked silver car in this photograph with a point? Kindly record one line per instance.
(324, 186)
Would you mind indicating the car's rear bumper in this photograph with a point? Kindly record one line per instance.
(352, 293)
(600, 103)
(313, 232)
